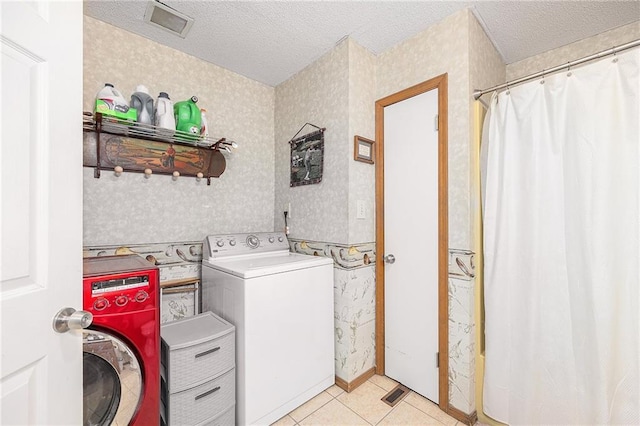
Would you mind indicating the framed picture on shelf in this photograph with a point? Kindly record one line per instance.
(363, 149)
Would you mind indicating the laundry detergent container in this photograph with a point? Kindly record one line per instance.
(109, 101)
(188, 119)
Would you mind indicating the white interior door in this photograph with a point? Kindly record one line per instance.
(40, 211)
(411, 236)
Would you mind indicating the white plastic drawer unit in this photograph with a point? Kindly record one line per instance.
(208, 400)
(225, 419)
(196, 349)
(198, 383)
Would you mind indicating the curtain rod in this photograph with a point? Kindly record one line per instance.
(612, 51)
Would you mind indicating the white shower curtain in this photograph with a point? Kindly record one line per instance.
(561, 248)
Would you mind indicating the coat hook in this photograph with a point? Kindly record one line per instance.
(569, 69)
(176, 175)
(147, 173)
(117, 170)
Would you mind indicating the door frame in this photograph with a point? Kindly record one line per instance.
(440, 83)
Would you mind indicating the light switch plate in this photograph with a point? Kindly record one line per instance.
(361, 212)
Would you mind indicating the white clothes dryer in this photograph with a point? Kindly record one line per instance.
(282, 306)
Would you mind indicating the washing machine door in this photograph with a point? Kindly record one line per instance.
(112, 380)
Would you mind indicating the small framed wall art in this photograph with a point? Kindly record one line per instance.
(363, 149)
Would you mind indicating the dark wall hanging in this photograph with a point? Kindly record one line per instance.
(307, 156)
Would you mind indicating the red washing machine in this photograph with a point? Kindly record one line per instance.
(121, 348)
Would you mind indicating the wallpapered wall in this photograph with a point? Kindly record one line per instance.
(442, 48)
(362, 80)
(132, 209)
(319, 94)
(338, 89)
(573, 51)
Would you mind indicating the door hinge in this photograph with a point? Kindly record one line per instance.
(437, 359)
(437, 122)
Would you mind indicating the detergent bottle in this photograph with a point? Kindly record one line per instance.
(143, 103)
(188, 119)
(204, 129)
(165, 121)
(110, 102)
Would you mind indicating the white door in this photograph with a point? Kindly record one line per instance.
(40, 211)
(411, 236)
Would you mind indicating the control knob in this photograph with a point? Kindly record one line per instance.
(100, 304)
(141, 296)
(232, 243)
(271, 239)
(220, 243)
(121, 300)
(280, 239)
(253, 241)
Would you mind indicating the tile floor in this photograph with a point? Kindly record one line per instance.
(363, 406)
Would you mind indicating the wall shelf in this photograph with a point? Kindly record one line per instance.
(111, 144)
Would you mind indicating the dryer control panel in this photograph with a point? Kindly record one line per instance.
(119, 287)
(222, 245)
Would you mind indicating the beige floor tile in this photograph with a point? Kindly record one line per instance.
(384, 382)
(333, 413)
(334, 390)
(405, 414)
(429, 408)
(365, 400)
(285, 421)
(310, 406)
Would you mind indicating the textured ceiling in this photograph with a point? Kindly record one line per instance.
(269, 41)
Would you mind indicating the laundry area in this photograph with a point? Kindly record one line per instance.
(272, 213)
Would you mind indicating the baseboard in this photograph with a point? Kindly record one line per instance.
(469, 419)
(349, 386)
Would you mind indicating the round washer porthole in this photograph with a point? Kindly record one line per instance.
(112, 380)
(102, 391)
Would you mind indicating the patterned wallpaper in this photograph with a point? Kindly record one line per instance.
(362, 81)
(442, 48)
(318, 95)
(132, 209)
(573, 51)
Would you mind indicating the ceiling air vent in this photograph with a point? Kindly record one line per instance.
(167, 18)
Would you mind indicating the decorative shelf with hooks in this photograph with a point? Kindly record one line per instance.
(119, 146)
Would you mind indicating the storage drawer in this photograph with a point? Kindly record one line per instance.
(196, 405)
(197, 363)
(228, 418)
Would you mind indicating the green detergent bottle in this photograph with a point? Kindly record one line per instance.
(188, 119)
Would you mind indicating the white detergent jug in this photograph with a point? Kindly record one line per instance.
(109, 101)
(165, 120)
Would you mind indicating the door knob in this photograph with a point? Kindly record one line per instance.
(70, 319)
(390, 259)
